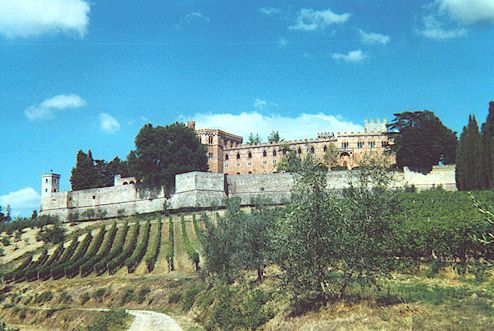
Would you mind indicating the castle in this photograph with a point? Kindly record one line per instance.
(235, 170)
(227, 154)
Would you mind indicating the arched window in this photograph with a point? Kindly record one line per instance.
(360, 144)
(131, 182)
(274, 152)
(325, 149)
(238, 156)
(312, 150)
(125, 183)
(344, 144)
(264, 153)
(249, 155)
(299, 151)
(384, 144)
(210, 140)
(372, 144)
(226, 157)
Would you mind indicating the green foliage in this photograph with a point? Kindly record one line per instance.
(191, 252)
(84, 297)
(170, 252)
(154, 248)
(274, 137)
(130, 244)
(162, 152)
(54, 234)
(89, 173)
(468, 157)
(43, 297)
(6, 241)
(138, 253)
(290, 161)
(141, 294)
(254, 140)
(487, 150)
(420, 140)
(116, 245)
(233, 307)
(325, 242)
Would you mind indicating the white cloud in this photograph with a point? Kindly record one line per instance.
(47, 108)
(301, 126)
(467, 11)
(373, 38)
(433, 29)
(24, 199)
(263, 104)
(194, 17)
(108, 123)
(282, 42)
(27, 18)
(270, 11)
(351, 57)
(311, 20)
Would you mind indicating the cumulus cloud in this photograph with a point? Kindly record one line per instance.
(29, 18)
(194, 17)
(311, 20)
(448, 19)
(47, 108)
(21, 201)
(270, 11)
(434, 29)
(298, 127)
(373, 38)
(467, 11)
(108, 123)
(351, 57)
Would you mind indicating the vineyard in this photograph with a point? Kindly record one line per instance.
(131, 247)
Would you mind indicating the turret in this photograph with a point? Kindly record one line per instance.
(50, 183)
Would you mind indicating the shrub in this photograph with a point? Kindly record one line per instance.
(141, 294)
(54, 234)
(85, 297)
(154, 248)
(110, 320)
(43, 297)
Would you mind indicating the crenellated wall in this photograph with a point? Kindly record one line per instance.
(205, 189)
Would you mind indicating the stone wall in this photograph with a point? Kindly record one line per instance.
(205, 189)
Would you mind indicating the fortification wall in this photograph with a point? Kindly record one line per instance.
(205, 189)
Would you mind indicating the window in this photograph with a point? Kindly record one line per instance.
(274, 152)
(94, 197)
(325, 149)
(250, 172)
(372, 144)
(238, 173)
(249, 155)
(238, 164)
(299, 151)
(249, 163)
(284, 152)
(210, 155)
(384, 144)
(46, 190)
(312, 150)
(344, 144)
(238, 156)
(226, 165)
(131, 182)
(226, 157)
(274, 161)
(264, 153)
(360, 144)
(46, 181)
(264, 162)
(210, 140)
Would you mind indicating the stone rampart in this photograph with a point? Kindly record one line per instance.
(205, 189)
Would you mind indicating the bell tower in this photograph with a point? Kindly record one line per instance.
(50, 183)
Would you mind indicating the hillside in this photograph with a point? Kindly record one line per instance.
(49, 290)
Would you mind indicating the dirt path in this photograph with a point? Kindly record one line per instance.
(150, 320)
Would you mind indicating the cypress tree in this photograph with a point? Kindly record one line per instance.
(471, 154)
(487, 150)
(461, 161)
(84, 174)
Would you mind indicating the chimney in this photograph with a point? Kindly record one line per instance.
(192, 125)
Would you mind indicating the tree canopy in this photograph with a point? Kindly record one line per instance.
(164, 151)
(89, 173)
(420, 140)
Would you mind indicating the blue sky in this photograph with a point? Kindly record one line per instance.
(79, 74)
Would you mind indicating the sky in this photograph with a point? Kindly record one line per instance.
(79, 74)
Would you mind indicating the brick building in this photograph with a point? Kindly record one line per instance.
(227, 153)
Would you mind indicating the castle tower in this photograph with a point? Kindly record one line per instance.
(50, 183)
